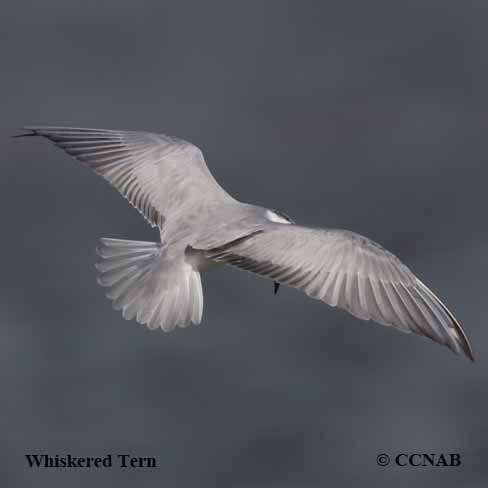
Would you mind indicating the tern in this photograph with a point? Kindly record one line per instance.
(158, 283)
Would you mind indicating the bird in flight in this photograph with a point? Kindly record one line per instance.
(158, 283)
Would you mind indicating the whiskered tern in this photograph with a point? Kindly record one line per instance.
(158, 283)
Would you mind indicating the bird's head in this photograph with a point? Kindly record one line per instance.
(278, 217)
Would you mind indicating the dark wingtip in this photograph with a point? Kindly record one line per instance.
(470, 354)
(463, 338)
(26, 134)
(464, 342)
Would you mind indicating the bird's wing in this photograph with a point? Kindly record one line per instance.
(157, 174)
(349, 271)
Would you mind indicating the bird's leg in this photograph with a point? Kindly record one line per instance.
(276, 287)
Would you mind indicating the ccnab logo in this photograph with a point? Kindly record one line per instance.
(423, 459)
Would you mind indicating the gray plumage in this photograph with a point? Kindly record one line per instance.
(167, 180)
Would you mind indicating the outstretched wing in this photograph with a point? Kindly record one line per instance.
(349, 271)
(157, 174)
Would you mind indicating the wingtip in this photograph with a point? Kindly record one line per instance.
(462, 337)
(468, 351)
(463, 348)
(459, 339)
(29, 133)
(468, 354)
(461, 343)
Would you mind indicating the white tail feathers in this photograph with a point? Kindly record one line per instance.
(148, 285)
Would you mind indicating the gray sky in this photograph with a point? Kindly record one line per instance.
(369, 116)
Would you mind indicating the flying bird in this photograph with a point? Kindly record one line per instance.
(158, 283)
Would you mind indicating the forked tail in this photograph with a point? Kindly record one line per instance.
(148, 285)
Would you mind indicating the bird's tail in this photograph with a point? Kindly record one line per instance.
(148, 285)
